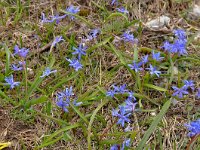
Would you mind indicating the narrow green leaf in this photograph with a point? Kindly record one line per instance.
(117, 14)
(7, 69)
(79, 113)
(39, 100)
(79, 17)
(89, 50)
(153, 126)
(60, 131)
(91, 122)
(155, 87)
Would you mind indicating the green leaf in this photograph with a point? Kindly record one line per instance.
(53, 135)
(7, 69)
(79, 17)
(155, 87)
(39, 100)
(153, 126)
(117, 14)
(79, 113)
(91, 122)
(89, 50)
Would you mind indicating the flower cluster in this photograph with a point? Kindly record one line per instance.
(19, 66)
(128, 37)
(139, 66)
(194, 128)
(64, 99)
(179, 45)
(127, 108)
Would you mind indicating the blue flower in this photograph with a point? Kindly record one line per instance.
(194, 128)
(198, 93)
(63, 104)
(156, 56)
(123, 117)
(129, 106)
(115, 147)
(56, 40)
(127, 37)
(121, 89)
(135, 66)
(115, 112)
(131, 96)
(73, 10)
(80, 50)
(10, 81)
(75, 64)
(153, 70)
(167, 46)
(128, 128)
(21, 52)
(179, 47)
(56, 18)
(126, 143)
(47, 72)
(44, 19)
(19, 66)
(144, 59)
(189, 84)
(179, 92)
(180, 33)
(110, 93)
(122, 10)
(93, 34)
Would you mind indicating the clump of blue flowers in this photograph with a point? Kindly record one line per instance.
(65, 98)
(179, 45)
(194, 128)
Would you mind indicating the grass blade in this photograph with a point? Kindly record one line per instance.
(153, 126)
(91, 122)
(155, 87)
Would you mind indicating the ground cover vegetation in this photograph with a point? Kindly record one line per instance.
(91, 75)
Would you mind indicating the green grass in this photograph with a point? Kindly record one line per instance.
(91, 125)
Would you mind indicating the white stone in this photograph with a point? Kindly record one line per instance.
(158, 23)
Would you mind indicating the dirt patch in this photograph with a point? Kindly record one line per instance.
(16, 132)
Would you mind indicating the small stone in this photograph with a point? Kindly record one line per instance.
(158, 23)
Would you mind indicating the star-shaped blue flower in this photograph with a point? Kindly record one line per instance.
(153, 70)
(81, 50)
(10, 81)
(75, 64)
(179, 92)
